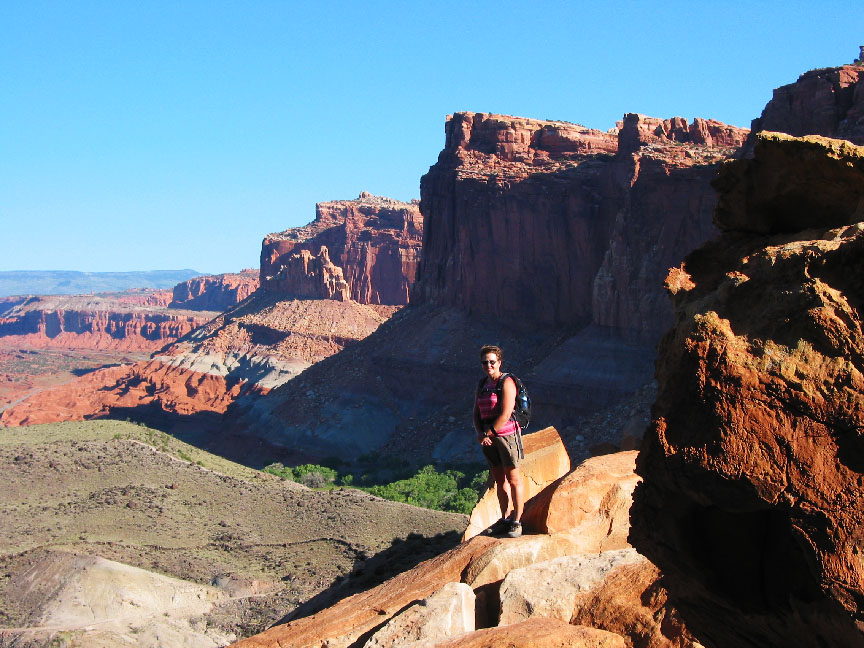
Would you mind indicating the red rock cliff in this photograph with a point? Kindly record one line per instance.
(754, 458)
(551, 223)
(215, 292)
(374, 241)
(827, 102)
(96, 321)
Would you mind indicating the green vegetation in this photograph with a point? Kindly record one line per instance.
(451, 490)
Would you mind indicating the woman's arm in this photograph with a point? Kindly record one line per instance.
(508, 402)
(478, 422)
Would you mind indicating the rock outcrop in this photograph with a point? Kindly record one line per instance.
(828, 102)
(752, 465)
(303, 274)
(215, 292)
(493, 575)
(375, 242)
(136, 321)
(552, 224)
(258, 345)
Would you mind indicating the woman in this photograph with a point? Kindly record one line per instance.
(499, 438)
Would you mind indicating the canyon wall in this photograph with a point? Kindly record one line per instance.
(553, 224)
(373, 241)
(752, 464)
(827, 102)
(125, 321)
(215, 292)
(546, 238)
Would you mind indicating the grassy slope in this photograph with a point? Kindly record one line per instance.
(138, 496)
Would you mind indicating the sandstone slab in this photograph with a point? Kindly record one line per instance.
(448, 612)
(549, 589)
(534, 633)
(592, 501)
(344, 623)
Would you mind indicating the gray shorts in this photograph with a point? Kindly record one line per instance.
(504, 451)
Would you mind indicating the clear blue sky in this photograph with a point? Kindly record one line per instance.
(177, 134)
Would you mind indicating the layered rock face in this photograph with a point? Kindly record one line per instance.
(754, 459)
(260, 344)
(553, 224)
(543, 237)
(215, 292)
(374, 242)
(137, 321)
(828, 102)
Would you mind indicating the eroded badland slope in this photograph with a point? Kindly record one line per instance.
(116, 534)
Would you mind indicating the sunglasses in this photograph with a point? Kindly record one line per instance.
(489, 362)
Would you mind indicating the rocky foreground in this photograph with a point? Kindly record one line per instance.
(572, 580)
(113, 534)
(752, 500)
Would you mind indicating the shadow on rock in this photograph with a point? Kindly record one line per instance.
(369, 572)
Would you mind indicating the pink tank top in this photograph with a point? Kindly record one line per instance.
(487, 402)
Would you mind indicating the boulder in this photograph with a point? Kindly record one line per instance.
(448, 612)
(592, 501)
(549, 589)
(632, 601)
(754, 459)
(546, 460)
(618, 591)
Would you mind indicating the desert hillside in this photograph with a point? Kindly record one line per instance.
(95, 508)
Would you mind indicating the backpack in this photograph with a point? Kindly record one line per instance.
(522, 408)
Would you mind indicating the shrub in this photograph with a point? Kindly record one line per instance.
(313, 479)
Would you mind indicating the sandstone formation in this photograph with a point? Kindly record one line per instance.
(136, 321)
(303, 274)
(534, 633)
(828, 102)
(389, 616)
(374, 241)
(599, 486)
(215, 292)
(448, 612)
(254, 347)
(549, 589)
(582, 224)
(752, 465)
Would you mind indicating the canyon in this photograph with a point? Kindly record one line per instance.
(583, 225)
(746, 511)
(48, 340)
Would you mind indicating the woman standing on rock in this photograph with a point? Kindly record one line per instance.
(500, 439)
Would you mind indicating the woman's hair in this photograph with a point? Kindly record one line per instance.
(491, 348)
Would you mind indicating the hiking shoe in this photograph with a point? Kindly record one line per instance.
(500, 526)
(514, 529)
